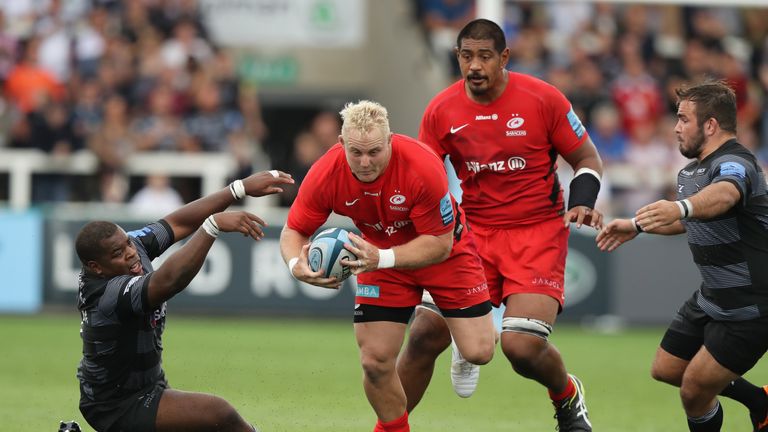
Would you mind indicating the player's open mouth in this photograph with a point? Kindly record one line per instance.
(476, 80)
(136, 268)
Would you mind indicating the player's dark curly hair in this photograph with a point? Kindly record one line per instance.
(88, 242)
(713, 99)
(483, 29)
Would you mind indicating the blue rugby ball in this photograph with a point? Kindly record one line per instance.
(327, 251)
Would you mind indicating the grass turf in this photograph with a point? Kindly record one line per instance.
(293, 375)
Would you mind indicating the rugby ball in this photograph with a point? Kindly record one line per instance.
(327, 251)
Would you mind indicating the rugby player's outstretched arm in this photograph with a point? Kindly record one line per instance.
(187, 219)
(182, 266)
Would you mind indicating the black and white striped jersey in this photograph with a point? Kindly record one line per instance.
(730, 250)
(121, 336)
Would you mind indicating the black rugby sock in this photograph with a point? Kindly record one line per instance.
(750, 395)
(709, 422)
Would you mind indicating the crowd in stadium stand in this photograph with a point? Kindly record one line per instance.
(120, 77)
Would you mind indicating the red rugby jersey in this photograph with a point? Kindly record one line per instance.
(505, 153)
(408, 199)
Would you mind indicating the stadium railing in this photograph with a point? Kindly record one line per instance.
(21, 164)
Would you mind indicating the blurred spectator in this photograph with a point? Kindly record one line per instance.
(185, 46)
(28, 85)
(650, 157)
(7, 118)
(607, 134)
(589, 89)
(307, 148)
(8, 44)
(159, 129)
(326, 128)
(90, 42)
(156, 198)
(52, 131)
(211, 126)
(250, 107)
(528, 55)
(112, 143)
(224, 73)
(442, 20)
(635, 92)
(87, 108)
(20, 16)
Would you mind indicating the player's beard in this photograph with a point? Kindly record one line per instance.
(697, 142)
(478, 90)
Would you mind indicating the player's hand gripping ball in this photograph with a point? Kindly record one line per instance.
(327, 251)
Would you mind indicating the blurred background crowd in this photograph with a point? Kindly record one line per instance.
(119, 77)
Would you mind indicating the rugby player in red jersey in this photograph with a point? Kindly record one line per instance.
(414, 238)
(503, 132)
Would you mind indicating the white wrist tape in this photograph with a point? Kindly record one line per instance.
(386, 258)
(210, 227)
(292, 263)
(686, 208)
(585, 170)
(238, 189)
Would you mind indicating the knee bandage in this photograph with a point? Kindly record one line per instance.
(428, 303)
(529, 326)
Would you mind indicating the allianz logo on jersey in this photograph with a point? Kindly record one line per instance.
(515, 163)
(514, 125)
(493, 116)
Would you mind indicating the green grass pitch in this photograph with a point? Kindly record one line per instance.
(296, 375)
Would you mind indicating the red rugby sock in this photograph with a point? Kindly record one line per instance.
(397, 425)
(569, 391)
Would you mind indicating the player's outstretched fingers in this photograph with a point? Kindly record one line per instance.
(266, 182)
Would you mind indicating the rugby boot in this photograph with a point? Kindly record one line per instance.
(760, 421)
(571, 413)
(464, 375)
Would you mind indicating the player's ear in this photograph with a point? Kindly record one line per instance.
(341, 140)
(504, 58)
(94, 267)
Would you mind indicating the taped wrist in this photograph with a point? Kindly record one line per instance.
(584, 188)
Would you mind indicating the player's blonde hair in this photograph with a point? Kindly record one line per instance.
(363, 117)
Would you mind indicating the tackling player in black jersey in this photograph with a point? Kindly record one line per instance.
(122, 299)
(722, 330)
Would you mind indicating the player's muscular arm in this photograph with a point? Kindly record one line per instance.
(422, 251)
(674, 228)
(664, 216)
(183, 265)
(187, 219)
(291, 242)
(585, 156)
(714, 200)
(179, 269)
(585, 162)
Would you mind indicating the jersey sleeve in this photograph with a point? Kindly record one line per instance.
(433, 211)
(566, 132)
(154, 238)
(738, 171)
(428, 131)
(313, 204)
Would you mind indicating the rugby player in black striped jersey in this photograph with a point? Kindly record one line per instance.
(721, 332)
(122, 299)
